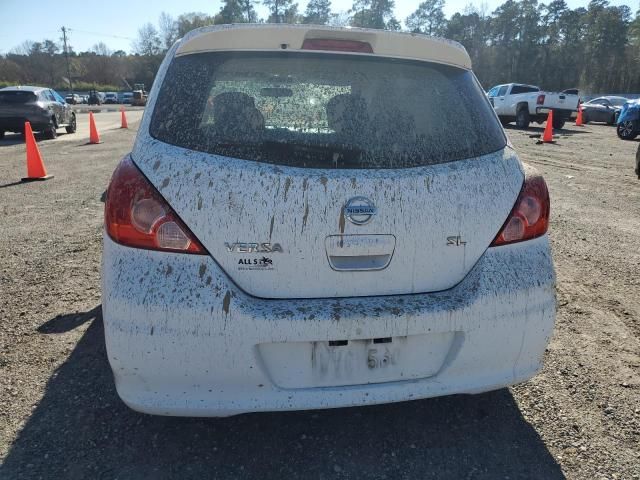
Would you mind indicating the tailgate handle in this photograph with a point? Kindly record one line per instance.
(359, 263)
(359, 252)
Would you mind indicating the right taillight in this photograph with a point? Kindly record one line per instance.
(136, 215)
(529, 217)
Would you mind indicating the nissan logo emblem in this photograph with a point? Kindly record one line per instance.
(359, 210)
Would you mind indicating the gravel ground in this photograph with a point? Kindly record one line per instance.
(61, 418)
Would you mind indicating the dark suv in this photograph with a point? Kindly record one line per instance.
(44, 108)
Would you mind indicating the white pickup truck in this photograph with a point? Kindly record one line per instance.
(523, 104)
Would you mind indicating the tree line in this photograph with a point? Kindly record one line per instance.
(594, 48)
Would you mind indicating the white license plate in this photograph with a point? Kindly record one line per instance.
(356, 362)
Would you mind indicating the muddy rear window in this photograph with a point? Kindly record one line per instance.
(324, 111)
(17, 97)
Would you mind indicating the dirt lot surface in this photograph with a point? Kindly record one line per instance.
(60, 416)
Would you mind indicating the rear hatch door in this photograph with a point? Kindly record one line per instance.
(17, 103)
(325, 176)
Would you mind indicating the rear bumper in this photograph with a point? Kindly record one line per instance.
(16, 124)
(559, 112)
(183, 340)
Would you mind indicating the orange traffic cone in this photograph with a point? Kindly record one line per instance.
(579, 122)
(547, 137)
(124, 123)
(35, 165)
(93, 131)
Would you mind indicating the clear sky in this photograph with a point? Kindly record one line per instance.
(91, 22)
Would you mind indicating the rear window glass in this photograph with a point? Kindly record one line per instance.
(523, 89)
(618, 101)
(324, 110)
(17, 97)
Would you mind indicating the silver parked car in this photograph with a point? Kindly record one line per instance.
(43, 108)
(603, 109)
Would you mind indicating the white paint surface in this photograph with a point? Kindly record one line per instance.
(182, 339)
(187, 335)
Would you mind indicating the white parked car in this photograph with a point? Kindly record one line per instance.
(111, 97)
(523, 104)
(317, 217)
(73, 99)
(127, 97)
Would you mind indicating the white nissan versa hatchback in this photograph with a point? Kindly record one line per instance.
(317, 217)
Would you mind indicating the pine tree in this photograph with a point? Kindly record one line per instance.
(318, 12)
(374, 14)
(282, 11)
(249, 12)
(428, 18)
(230, 12)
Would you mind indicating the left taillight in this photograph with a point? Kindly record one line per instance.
(137, 216)
(529, 217)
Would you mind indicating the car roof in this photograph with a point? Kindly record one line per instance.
(608, 97)
(515, 85)
(23, 88)
(616, 97)
(279, 37)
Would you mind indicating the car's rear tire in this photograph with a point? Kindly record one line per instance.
(1, 134)
(51, 132)
(522, 119)
(612, 120)
(628, 130)
(558, 123)
(585, 118)
(71, 128)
